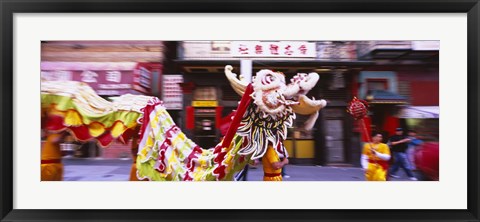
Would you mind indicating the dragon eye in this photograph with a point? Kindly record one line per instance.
(269, 78)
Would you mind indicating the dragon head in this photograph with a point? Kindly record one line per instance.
(273, 96)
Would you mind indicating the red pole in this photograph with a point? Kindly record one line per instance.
(365, 130)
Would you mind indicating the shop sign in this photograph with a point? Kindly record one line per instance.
(142, 80)
(290, 49)
(172, 95)
(204, 103)
(104, 82)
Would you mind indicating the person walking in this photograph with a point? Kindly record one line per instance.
(412, 146)
(399, 143)
(375, 158)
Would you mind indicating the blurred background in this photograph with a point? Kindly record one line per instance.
(399, 79)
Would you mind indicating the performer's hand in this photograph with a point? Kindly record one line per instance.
(374, 152)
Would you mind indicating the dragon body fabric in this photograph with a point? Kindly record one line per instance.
(258, 128)
(165, 153)
(75, 107)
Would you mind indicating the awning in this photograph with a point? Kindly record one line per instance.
(420, 112)
(385, 97)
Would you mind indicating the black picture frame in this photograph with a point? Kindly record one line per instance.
(10, 7)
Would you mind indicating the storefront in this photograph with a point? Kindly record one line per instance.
(204, 116)
(336, 141)
(202, 64)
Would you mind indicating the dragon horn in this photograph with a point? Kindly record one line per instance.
(236, 84)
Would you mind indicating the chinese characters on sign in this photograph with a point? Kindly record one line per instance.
(104, 82)
(89, 76)
(114, 76)
(142, 80)
(273, 49)
(172, 92)
(56, 75)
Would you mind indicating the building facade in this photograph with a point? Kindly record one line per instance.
(211, 99)
(391, 75)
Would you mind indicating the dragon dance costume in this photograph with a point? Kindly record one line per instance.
(258, 128)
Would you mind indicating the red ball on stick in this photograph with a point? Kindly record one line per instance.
(358, 108)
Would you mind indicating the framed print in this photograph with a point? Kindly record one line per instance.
(134, 93)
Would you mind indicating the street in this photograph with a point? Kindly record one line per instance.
(118, 170)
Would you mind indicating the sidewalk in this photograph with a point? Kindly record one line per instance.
(119, 170)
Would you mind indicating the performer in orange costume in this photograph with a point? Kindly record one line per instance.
(272, 166)
(375, 158)
(51, 163)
